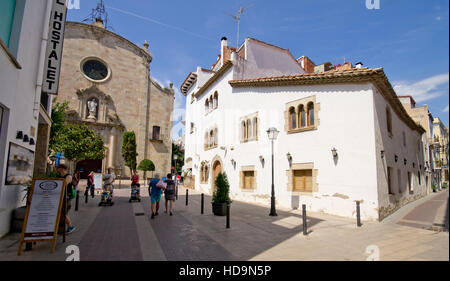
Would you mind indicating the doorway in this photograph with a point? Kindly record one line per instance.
(217, 168)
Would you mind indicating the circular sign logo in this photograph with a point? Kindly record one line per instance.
(48, 185)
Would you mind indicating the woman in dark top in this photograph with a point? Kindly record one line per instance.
(169, 193)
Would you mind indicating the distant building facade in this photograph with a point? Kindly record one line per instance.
(344, 135)
(106, 80)
(424, 118)
(441, 140)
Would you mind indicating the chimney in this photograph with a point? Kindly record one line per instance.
(223, 45)
(359, 65)
(307, 64)
(99, 23)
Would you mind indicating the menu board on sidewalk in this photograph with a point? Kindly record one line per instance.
(98, 181)
(43, 211)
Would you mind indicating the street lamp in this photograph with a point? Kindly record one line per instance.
(272, 133)
(175, 157)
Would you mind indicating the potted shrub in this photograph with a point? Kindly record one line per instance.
(434, 187)
(221, 196)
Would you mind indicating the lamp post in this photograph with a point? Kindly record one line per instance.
(272, 134)
(175, 158)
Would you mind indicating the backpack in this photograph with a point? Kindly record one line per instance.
(161, 185)
(70, 190)
(170, 189)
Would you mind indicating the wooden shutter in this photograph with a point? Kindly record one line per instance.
(249, 179)
(302, 180)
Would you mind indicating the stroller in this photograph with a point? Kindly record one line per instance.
(106, 198)
(135, 193)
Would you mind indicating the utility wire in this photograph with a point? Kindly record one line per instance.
(160, 23)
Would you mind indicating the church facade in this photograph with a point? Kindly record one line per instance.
(106, 80)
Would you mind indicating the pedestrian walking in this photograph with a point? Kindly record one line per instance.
(169, 193)
(155, 188)
(76, 179)
(90, 184)
(62, 170)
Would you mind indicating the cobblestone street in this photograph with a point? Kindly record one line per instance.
(125, 232)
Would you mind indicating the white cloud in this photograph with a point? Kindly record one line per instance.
(445, 109)
(423, 90)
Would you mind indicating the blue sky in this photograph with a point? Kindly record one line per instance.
(409, 39)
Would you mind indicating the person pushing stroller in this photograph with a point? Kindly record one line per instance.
(135, 188)
(108, 188)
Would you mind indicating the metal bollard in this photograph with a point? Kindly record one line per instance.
(228, 216)
(76, 200)
(358, 214)
(176, 194)
(187, 196)
(305, 225)
(86, 195)
(203, 204)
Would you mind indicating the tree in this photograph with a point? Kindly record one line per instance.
(222, 193)
(146, 165)
(78, 143)
(178, 164)
(58, 119)
(129, 153)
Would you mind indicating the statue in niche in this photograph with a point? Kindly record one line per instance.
(92, 107)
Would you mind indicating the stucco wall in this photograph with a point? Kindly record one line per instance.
(17, 95)
(412, 152)
(344, 114)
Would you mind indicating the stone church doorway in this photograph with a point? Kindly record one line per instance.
(88, 166)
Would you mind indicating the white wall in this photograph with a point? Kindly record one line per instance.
(17, 95)
(264, 61)
(394, 146)
(345, 112)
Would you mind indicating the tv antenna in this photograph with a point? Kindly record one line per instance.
(237, 19)
(99, 13)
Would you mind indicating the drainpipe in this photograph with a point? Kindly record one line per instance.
(40, 72)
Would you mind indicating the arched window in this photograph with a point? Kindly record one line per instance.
(211, 103)
(206, 141)
(216, 139)
(216, 100)
(243, 129)
(250, 129)
(301, 116)
(311, 114)
(207, 105)
(292, 118)
(255, 127)
(211, 140)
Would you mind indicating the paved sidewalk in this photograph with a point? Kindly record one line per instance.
(126, 232)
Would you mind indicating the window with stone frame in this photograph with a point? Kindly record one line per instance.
(302, 115)
(211, 139)
(247, 178)
(249, 128)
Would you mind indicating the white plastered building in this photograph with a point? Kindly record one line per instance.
(344, 135)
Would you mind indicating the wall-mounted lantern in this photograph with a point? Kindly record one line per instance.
(396, 158)
(19, 135)
(405, 161)
(289, 157)
(382, 154)
(334, 151)
(32, 141)
(25, 138)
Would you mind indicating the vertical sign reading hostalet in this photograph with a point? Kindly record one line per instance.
(55, 40)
